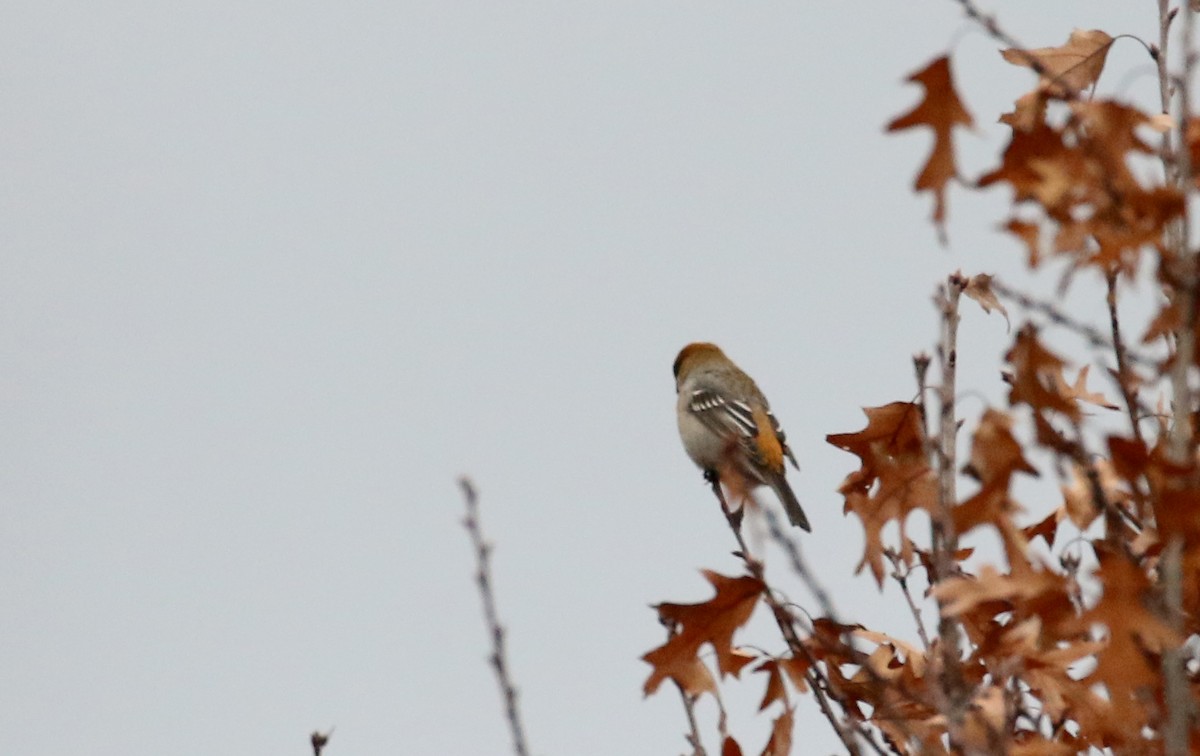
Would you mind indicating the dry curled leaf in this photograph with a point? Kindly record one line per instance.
(979, 288)
(1070, 67)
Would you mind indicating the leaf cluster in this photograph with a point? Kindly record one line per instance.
(1038, 651)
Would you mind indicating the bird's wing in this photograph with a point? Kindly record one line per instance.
(737, 419)
(723, 416)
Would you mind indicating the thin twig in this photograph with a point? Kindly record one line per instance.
(483, 577)
(1180, 706)
(945, 540)
(722, 716)
(1125, 384)
(921, 369)
(1116, 519)
(689, 704)
(900, 573)
(693, 736)
(1124, 376)
(784, 620)
(993, 28)
(1092, 335)
(799, 566)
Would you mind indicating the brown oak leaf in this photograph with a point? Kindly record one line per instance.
(996, 456)
(1039, 166)
(1079, 503)
(1046, 529)
(1192, 135)
(1078, 391)
(780, 743)
(1027, 743)
(958, 595)
(1030, 236)
(1112, 133)
(776, 689)
(714, 622)
(1037, 379)
(1029, 111)
(894, 480)
(776, 670)
(1136, 635)
(941, 109)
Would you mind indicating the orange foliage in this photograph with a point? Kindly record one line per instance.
(1037, 655)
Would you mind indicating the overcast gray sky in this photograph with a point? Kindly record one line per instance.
(273, 274)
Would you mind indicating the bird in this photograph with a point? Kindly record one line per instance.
(727, 427)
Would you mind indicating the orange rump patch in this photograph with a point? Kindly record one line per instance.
(769, 449)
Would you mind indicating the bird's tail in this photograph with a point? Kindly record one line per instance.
(790, 503)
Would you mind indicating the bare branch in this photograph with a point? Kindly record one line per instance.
(1165, 17)
(483, 577)
(1177, 165)
(1183, 435)
(954, 690)
(1124, 377)
(1181, 709)
(689, 707)
(945, 539)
